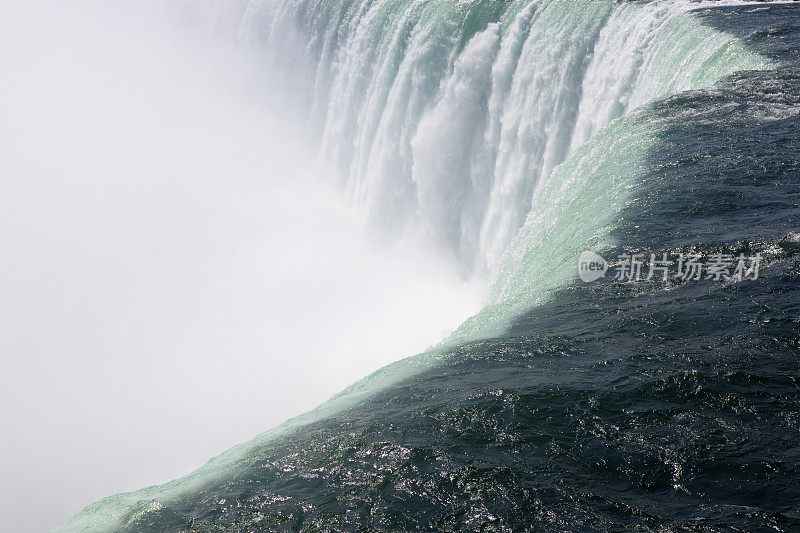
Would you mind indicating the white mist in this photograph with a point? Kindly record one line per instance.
(175, 276)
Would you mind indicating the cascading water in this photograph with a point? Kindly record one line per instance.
(442, 118)
(508, 134)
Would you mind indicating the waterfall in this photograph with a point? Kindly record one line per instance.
(443, 118)
(507, 134)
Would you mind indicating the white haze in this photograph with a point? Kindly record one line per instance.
(175, 277)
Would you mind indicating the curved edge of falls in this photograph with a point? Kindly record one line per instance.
(508, 133)
(442, 118)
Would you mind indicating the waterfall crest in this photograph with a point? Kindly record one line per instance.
(443, 118)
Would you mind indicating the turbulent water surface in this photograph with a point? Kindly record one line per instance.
(514, 135)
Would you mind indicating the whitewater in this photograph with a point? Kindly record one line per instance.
(447, 121)
(506, 136)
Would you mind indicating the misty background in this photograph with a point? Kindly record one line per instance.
(177, 274)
